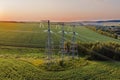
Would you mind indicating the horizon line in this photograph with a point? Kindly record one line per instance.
(54, 21)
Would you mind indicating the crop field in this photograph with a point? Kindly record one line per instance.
(35, 34)
(22, 55)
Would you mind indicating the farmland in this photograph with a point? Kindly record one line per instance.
(21, 56)
(31, 34)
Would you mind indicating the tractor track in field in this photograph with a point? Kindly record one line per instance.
(19, 31)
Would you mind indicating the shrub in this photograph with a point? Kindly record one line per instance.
(100, 51)
(106, 33)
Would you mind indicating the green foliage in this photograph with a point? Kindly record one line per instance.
(100, 51)
(60, 65)
(11, 69)
(17, 66)
(109, 34)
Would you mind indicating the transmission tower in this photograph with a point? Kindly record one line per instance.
(49, 42)
(73, 46)
(62, 42)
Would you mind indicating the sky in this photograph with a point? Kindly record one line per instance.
(59, 10)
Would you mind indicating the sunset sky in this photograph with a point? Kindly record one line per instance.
(59, 10)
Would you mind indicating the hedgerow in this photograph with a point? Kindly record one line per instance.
(106, 33)
(100, 51)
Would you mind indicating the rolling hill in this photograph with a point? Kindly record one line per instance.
(21, 57)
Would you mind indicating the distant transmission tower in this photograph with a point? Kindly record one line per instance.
(73, 46)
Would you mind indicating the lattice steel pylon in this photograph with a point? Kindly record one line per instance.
(49, 43)
(62, 43)
(73, 46)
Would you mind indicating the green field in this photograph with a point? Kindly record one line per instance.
(31, 34)
(29, 64)
(21, 60)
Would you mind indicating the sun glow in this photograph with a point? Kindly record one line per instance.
(1, 13)
(58, 10)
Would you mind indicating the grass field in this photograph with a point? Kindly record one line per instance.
(32, 34)
(31, 65)
(24, 63)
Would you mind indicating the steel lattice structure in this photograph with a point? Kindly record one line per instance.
(62, 42)
(73, 46)
(49, 42)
